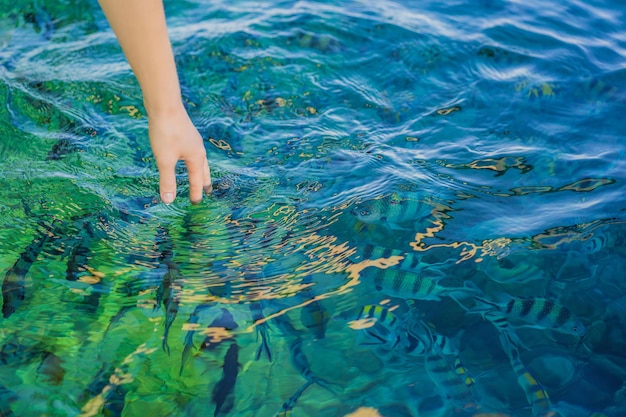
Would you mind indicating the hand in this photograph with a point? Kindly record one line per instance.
(173, 137)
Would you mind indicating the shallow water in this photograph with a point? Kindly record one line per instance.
(443, 161)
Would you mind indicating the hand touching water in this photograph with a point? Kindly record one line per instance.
(173, 137)
(141, 30)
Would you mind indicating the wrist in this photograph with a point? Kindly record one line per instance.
(168, 108)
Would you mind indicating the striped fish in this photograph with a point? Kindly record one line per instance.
(170, 283)
(224, 391)
(256, 308)
(80, 253)
(392, 210)
(301, 363)
(291, 402)
(14, 283)
(453, 381)
(188, 345)
(539, 311)
(313, 315)
(386, 327)
(535, 393)
(430, 341)
(224, 321)
(408, 285)
(170, 301)
(392, 331)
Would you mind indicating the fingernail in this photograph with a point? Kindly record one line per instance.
(168, 198)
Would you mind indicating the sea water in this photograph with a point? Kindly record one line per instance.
(418, 210)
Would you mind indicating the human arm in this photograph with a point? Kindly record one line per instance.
(141, 30)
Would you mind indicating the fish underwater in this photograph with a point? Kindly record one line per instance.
(224, 321)
(536, 394)
(452, 380)
(393, 211)
(412, 286)
(291, 402)
(171, 282)
(14, 283)
(188, 345)
(262, 330)
(302, 365)
(541, 312)
(167, 294)
(380, 324)
(223, 393)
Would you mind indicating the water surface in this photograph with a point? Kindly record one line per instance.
(418, 208)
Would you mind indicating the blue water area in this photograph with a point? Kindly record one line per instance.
(418, 210)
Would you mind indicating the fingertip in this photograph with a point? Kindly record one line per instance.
(167, 197)
(195, 199)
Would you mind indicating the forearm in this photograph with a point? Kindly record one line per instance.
(141, 30)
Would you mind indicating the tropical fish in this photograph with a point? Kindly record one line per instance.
(224, 321)
(171, 280)
(301, 363)
(408, 285)
(535, 393)
(453, 381)
(315, 317)
(107, 390)
(78, 263)
(14, 284)
(115, 401)
(78, 258)
(61, 148)
(188, 345)
(412, 337)
(393, 211)
(462, 372)
(223, 393)
(386, 326)
(256, 308)
(538, 311)
(291, 402)
(429, 341)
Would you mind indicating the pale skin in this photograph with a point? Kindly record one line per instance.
(141, 30)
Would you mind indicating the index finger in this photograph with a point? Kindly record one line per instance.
(167, 180)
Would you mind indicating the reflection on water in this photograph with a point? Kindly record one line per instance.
(418, 211)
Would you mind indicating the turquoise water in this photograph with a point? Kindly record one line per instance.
(418, 210)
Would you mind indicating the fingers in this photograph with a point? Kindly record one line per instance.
(199, 178)
(167, 180)
(199, 174)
